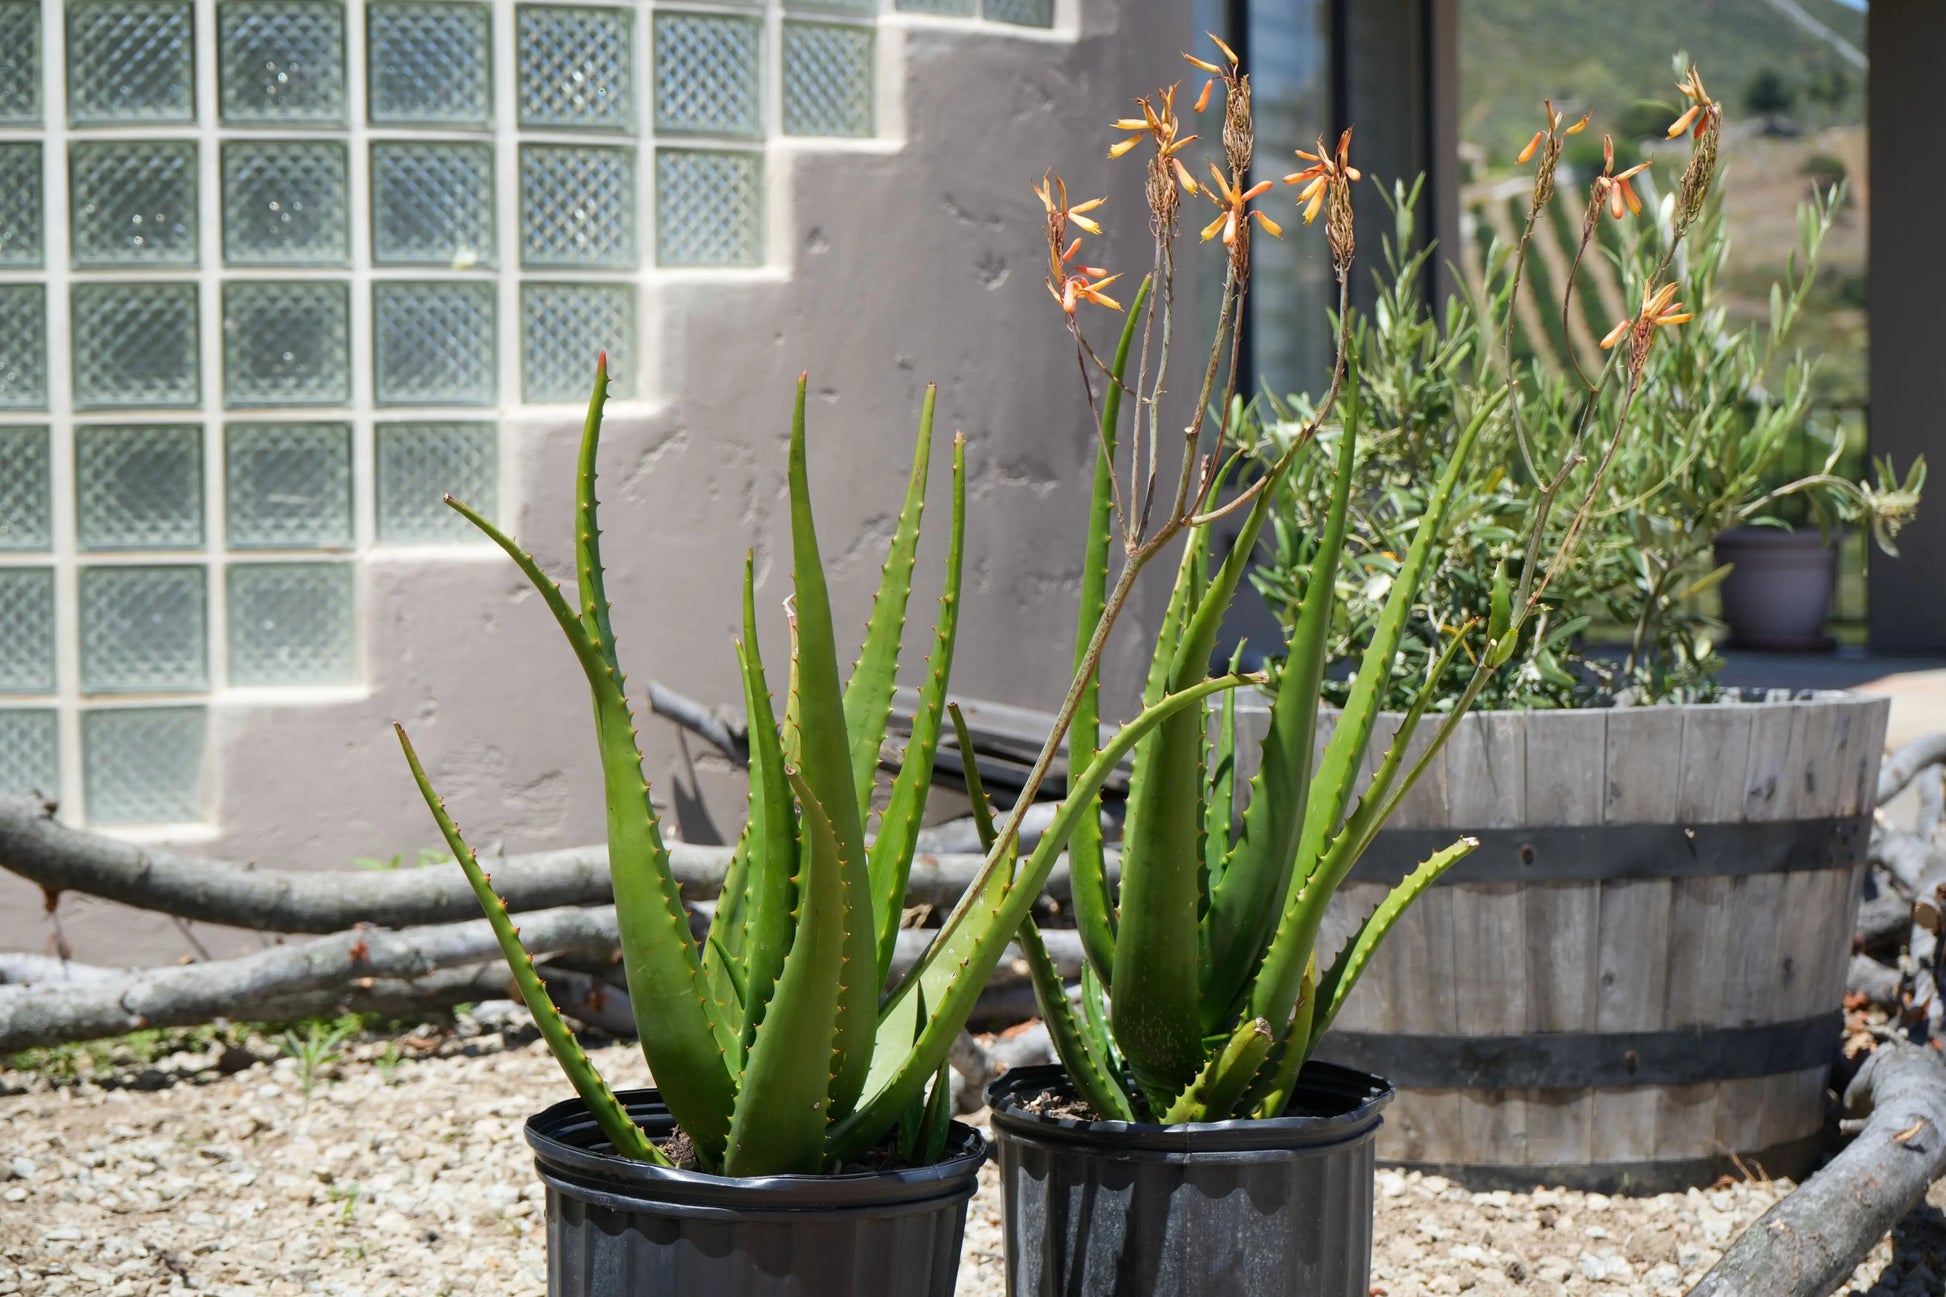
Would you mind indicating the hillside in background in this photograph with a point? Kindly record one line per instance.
(1609, 57)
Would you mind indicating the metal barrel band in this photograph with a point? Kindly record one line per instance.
(1790, 1159)
(1588, 1060)
(1597, 852)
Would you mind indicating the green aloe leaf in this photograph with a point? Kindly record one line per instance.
(1087, 861)
(824, 766)
(890, 858)
(1225, 1076)
(787, 1096)
(868, 694)
(628, 1139)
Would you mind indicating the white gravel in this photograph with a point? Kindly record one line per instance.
(409, 1180)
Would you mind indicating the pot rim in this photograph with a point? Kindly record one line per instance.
(1330, 1084)
(572, 1157)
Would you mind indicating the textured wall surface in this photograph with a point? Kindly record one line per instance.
(913, 258)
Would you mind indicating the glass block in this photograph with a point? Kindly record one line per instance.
(20, 205)
(20, 61)
(30, 752)
(23, 347)
(432, 205)
(143, 765)
(282, 61)
(135, 347)
(421, 463)
(131, 61)
(946, 8)
(284, 204)
(142, 628)
(430, 64)
(286, 343)
(134, 203)
(564, 327)
(292, 624)
(26, 630)
(139, 486)
(709, 208)
(835, 6)
(432, 343)
(706, 74)
(26, 490)
(575, 67)
(827, 79)
(577, 206)
(1022, 13)
(287, 485)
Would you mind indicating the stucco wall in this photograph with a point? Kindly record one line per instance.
(908, 260)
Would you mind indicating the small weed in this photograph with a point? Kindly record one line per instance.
(318, 1047)
(425, 856)
(389, 1062)
(346, 1196)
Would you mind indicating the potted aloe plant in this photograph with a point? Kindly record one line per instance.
(799, 1137)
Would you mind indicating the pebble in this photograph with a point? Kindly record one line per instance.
(422, 1184)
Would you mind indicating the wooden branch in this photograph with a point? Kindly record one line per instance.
(1906, 856)
(51, 1001)
(728, 735)
(58, 858)
(1883, 921)
(1878, 983)
(1810, 1242)
(1903, 766)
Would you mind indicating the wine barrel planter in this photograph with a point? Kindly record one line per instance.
(1635, 984)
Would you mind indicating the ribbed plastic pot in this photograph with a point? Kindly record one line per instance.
(1278, 1208)
(621, 1228)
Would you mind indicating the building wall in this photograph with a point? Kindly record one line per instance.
(910, 257)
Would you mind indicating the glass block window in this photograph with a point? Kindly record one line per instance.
(576, 67)
(291, 624)
(430, 63)
(285, 203)
(945, 8)
(143, 765)
(827, 79)
(287, 486)
(29, 752)
(133, 204)
(1022, 13)
(286, 343)
(135, 345)
(577, 206)
(20, 206)
(26, 630)
(20, 61)
(419, 464)
(23, 347)
(707, 79)
(432, 205)
(709, 208)
(143, 629)
(282, 62)
(563, 327)
(138, 486)
(131, 62)
(433, 342)
(26, 489)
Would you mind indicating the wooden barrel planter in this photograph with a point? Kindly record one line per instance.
(1635, 984)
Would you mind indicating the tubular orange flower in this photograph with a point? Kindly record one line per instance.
(1660, 310)
(1159, 123)
(1554, 131)
(1071, 284)
(1326, 170)
(1614, 191)
(1701, 108)
(1236, 208)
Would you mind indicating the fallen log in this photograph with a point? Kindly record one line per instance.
(60, 859)
(50, 1002)
(1903, 766)
(1883, 922)
(1906, 856)
(1878, 983)
(1810, 1242)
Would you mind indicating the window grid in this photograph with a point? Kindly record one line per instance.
(303, 109)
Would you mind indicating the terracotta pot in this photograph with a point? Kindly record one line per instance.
(1779, 594)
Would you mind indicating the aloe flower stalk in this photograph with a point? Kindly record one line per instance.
(775, 1041)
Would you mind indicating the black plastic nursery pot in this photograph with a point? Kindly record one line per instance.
(1279, 1208)
(621, 1228)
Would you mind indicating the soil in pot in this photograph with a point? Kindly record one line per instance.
(1235, 1208)
(1777, 596)
(619, 1228)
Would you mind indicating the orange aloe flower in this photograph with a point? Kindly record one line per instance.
(1161, 125)
(1553, 130)
(1236, 209)
(1660, 310)
(1215, 73)
(1071, 284)
(1616, 190)
(1701, 108)
(1326, 170)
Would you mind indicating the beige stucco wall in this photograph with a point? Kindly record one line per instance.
(911, 260)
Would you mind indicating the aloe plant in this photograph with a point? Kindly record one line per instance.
(777, 1042)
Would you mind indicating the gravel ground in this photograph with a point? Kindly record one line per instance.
(403, 1173)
